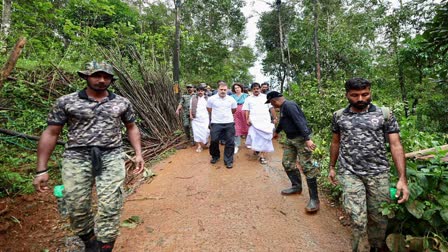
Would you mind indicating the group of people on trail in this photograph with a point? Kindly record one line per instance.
(94, 156)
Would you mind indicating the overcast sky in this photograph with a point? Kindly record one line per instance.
(252, 12)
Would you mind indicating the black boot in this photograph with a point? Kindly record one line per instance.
(90, 242)
(296, 182)
(106, 247)
(313, 204)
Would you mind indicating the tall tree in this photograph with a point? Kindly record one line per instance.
(6, 24)
(316, 42)
(279, 20)
(176, 48)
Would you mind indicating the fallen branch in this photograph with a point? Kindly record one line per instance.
(12, 60)
(22, 135)
(146, 198)
(424, 152)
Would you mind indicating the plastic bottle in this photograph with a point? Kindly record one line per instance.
(393, 192)
(58, 192)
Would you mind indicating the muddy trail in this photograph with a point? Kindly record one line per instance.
(193, 205)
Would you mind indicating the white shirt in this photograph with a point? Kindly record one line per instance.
(221, 108)
(258, 109)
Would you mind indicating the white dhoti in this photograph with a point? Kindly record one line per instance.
(201, 132)
(200, 123)
(260, 136)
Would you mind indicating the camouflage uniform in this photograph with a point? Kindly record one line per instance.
(295, 149)
(93, 124)
(293, 122)
(185, 102)
(363, 170)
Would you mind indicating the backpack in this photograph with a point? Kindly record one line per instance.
(386, 116)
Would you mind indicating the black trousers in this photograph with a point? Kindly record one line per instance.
(225, 132)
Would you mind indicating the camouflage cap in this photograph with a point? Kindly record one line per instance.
(94, 67)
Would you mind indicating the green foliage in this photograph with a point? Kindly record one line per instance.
(13, 183)
(414, 139)
(425, 213)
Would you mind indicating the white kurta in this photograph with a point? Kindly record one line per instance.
(261, 131)
(201, 132)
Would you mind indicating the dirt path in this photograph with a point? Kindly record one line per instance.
(193, 205)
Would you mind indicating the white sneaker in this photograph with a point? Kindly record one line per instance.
(249, 147)
(236, 150)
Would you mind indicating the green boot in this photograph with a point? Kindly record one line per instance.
(296, 182)
(313, 204)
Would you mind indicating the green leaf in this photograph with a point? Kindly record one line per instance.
(427, 215)
(444, 187)
(132, 222)
(443, 200)
(416, 208)
(444, 214)
(422, 180)
(415, 190)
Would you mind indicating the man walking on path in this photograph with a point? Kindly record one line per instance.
(221, 108)
(298, 144)
(200, 118)
(359, 138)
(264, 88)
(258, 117)
(184, 105)
(93, 154)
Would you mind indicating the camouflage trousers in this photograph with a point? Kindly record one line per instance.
(186, 119)
(187, 124)
(296, 150)
(362, 198)
(78, 185)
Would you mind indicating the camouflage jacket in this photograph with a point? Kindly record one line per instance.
(91, 123)
(185, 102)
(362, 149)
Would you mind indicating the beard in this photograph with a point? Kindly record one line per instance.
(361, 104)
(98, 88)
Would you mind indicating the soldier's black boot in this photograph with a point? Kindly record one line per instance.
(106, 247)
(90, 242)
(296, 182)
(313, 204)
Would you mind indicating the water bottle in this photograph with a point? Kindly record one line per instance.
(58, 192)
(393, 192)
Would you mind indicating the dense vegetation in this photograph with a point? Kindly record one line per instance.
(401, 48)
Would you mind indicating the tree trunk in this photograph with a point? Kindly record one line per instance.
(6, 24)
(12, 60)
(176, 51)
(282, 53)
(316, 43)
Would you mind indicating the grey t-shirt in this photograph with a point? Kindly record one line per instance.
(91, 123)
(362, 149)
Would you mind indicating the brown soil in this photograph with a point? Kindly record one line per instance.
(192, 205)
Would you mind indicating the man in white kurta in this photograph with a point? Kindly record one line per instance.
(258, 116)
(200, 118)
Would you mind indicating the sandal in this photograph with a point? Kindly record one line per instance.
(263, 161)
